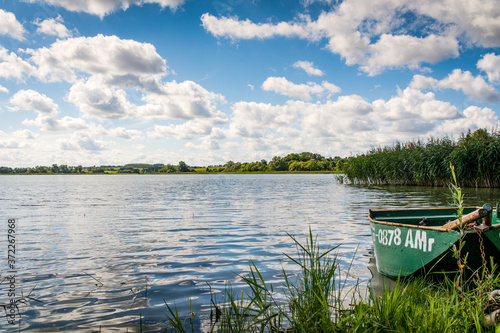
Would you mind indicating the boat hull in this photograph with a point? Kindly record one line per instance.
(404, 248)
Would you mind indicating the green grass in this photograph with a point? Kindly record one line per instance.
(318, 299)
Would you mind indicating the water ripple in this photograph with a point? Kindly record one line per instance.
(104, 251)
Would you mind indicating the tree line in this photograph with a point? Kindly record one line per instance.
(294, 162)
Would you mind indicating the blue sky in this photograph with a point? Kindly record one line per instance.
(159, 81)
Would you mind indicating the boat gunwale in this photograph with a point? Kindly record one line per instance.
(417, 226)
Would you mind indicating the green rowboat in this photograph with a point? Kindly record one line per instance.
(420, 241)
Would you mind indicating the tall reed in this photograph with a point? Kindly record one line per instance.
(476, 157)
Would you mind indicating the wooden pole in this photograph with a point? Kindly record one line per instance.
(471, 217)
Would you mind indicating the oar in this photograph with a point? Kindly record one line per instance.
(471, 217)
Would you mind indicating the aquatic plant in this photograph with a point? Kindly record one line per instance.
(474, 155)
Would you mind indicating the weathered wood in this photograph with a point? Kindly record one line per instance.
(469, 218)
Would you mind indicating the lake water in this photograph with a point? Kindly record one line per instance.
(102, 252)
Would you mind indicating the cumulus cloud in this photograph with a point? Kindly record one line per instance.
(127, 134)
(254, 120)
(348, 124)
(185, 131)
(105, 69)
(397, 51)
(46, 111)
(234, 28)
(473, 118)
(96, 99)
(413, 105)
(479, 20)
(10, 26)
(82, 141)
(53, 27)
(52, 123)
(301, 91)
(382, 34)
(424, 82)
(10, 144)
(99, 55)
(12, 66)
(186, 100)
(102, 8)
(490, 63)
(309, 68)
(334, 118)
(25, 134)
(33, 100)
(473, 86)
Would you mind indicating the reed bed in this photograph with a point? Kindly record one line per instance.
(319, 300)
(476, 157)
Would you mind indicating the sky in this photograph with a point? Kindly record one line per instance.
(111, 82)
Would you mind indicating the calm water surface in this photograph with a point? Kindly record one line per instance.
(101, 251)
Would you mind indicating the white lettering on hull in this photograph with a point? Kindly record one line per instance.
(415, 239)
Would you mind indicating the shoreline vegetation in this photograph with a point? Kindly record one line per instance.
(476, 157)
(292, 163)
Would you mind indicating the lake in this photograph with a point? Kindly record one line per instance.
(107, 251)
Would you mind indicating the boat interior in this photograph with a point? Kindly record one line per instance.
(430, 217)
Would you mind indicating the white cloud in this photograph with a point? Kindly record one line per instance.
(102, 8)
(12, 66)
(96, 99)
(347, 125)
(236, 29)
(10, 144)
(186, 100)
(397, 51)
(301, 91)
(82, 141)
(490, 63)
(33, 100)
(53, 27)
(472, 86)
(382, 34)
(99, 55)
(309, 68)
(46, 111)
(423, 82)
(25, 134)
(412, 105)
(185, 131)
(348, 114)
(127, 134)
(9, 25)
(3, 89)
(479, 20)
(473, 119)
(254, 120)
(52, 123)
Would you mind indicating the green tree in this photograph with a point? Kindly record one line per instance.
(278, 164)
(183, 167)
(230, 166)
(169, 168)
